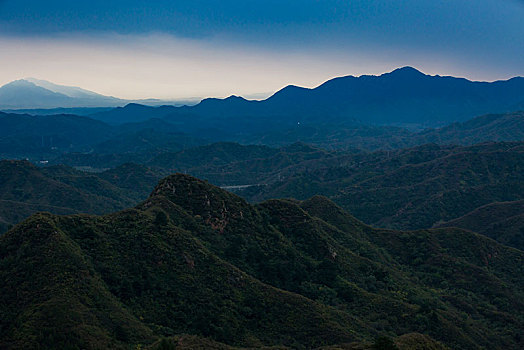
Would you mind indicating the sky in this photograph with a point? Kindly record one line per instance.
(194, 48)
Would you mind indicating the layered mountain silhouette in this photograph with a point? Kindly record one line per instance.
(195, 259)
(490, 127)
(403, 97)
(53, 136)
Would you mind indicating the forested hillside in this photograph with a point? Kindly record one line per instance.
(196, 259)
(26, 189)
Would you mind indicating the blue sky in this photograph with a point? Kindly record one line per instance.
(179, 49)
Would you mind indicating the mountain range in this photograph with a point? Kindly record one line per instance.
(403, 97)
(195, 259)
(412, 188)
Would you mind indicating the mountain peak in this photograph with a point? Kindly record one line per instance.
(235, 98)
(407, 70)
(20, 83)
(182, 189)
(71, 91)
(213, 101)
(133, 105)
(33, 93)
(216, 206)
(288, 90)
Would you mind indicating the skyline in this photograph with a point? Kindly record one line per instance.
(177, 50)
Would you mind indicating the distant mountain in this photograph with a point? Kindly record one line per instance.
(137, 180)
(502, 221)
(71, 91)
(231, 164)
(133, 113)
(404, 97)
(196, 260)
(39, 94)
(216, 154)
(34, 96)
(81, 111)
(148, 141)
(486, 128)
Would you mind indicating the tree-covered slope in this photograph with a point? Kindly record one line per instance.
(26, 189)
(195, 259)
(502, 221)
(410, 188)
(227, 164)
(491, 127)
(135, 179)
(407, 189)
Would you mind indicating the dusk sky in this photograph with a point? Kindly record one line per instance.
(182, 49)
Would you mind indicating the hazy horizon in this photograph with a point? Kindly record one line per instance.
(249, 96)
(166, 50)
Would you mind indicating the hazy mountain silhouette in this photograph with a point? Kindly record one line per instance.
(33, 93)
(28, 94)
(71, 91)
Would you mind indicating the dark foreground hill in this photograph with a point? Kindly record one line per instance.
(195, 259)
